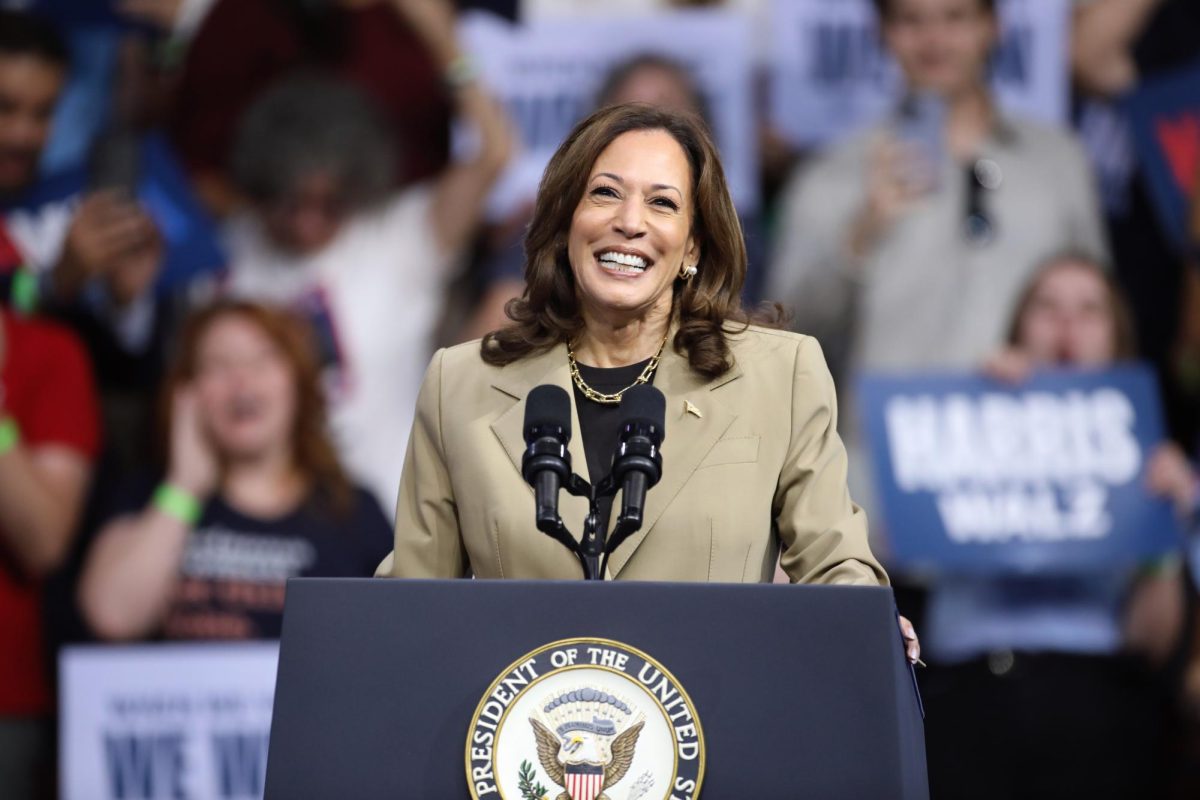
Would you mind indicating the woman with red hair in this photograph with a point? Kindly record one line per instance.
(253, 495)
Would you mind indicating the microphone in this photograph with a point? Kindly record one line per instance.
(546, 464)
(637, 464)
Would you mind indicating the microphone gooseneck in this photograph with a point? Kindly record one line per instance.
(546, 464)
(636, 468)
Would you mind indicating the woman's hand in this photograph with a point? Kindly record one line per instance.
(1168, 474)
(1009, 365)
(194, 467)
(912, 645)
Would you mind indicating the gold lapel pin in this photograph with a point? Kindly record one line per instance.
(688, 408)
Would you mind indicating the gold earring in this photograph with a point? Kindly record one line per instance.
(688, 272)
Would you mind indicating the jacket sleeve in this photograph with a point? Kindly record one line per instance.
(427, 543)
(822, 532)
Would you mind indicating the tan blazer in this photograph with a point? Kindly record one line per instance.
(755, 467)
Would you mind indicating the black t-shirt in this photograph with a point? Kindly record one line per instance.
(600, 423)
(235, 566)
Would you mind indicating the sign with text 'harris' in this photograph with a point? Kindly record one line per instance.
(1047, 476)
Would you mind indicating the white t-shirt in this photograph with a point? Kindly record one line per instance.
(373, 295)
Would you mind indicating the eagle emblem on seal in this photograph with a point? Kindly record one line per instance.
(586, 740)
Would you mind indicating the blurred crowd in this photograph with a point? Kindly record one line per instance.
(234, 232)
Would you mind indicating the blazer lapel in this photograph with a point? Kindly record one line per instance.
(695, 420)
(516, 380)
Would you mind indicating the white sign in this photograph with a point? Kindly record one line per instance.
(166, 721)
(830, 74)
(547, 73)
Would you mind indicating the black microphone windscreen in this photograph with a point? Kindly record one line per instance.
(644, 403)
(548, 405)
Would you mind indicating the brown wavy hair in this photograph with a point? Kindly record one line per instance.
(548, 312)
(312, 448)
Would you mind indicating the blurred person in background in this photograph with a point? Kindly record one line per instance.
(234, 50)
(1116, 47)
(85, 252)
(904, 246)
(1054, 685)
(106, 245)
(49, 436)
(327, 235)
(253, 493)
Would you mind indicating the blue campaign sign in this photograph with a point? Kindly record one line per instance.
(1045, 477)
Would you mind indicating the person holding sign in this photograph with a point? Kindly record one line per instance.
(634, 263)
(1056, 671)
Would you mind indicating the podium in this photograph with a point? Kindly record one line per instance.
(801, 691)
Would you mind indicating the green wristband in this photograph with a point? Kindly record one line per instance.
(10, 434)
(178, 503)
(24, 295)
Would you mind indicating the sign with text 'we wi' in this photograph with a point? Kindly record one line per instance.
(1044, 477)
(165, 721)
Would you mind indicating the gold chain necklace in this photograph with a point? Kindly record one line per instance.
(614, 398)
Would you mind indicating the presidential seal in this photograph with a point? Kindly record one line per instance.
(585, 719)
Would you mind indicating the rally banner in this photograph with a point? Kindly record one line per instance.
(830, 74)
(1164, 113)
(547, 73)
(165, 721)
(1045, 477)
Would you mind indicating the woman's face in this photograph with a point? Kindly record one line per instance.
(245, 388)
(1069, 319)
(632, 229)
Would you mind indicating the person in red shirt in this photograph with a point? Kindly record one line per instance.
(49, 437)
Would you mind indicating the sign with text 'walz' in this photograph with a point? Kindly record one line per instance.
(830, 74)
(166, 721)
(1044, 477)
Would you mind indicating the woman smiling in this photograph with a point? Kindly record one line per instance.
(634, 264)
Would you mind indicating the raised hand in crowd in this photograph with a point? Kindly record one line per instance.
(113, 239)
(194, 466)
(462, 189)
(150, 545)
(898, 176)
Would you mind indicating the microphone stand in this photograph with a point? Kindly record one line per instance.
(595, 548)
